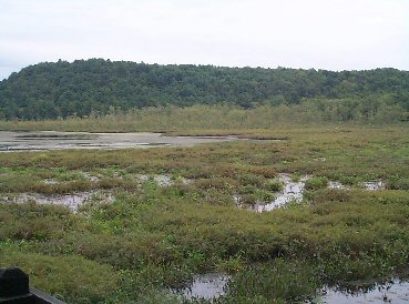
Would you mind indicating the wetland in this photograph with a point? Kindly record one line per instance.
(332, 208)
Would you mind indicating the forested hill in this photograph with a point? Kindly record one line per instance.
(61, 89)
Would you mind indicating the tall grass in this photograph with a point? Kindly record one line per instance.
(199, 117)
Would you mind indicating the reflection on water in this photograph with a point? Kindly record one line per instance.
(51, 140)
(395, 292)
(206, 286)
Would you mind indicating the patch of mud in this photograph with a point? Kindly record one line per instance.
(292, 192)
(206, 286)
(395, 292)
(374, 185)
(73, 200)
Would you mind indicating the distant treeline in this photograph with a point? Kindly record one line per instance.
(99, 87)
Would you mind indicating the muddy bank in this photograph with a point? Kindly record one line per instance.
(50, 140)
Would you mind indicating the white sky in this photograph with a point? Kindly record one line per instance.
(322, 34)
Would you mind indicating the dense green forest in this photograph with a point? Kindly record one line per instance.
(97, 86)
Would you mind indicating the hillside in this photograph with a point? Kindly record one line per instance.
(63, 89)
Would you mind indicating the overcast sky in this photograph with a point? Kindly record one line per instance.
(322, 34)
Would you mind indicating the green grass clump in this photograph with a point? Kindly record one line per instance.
(397, 183)
(316, 183)
(274, 186)
(34, 222)
(282, 280)
(73, 279)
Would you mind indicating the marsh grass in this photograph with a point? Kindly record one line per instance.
(173, 119)
(316, 183)
(151, 237)
(84, 280)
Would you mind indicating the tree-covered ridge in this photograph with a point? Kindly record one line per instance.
(61, 89)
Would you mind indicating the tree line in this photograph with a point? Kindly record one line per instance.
(97, 87)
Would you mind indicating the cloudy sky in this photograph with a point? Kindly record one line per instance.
(335, 34)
